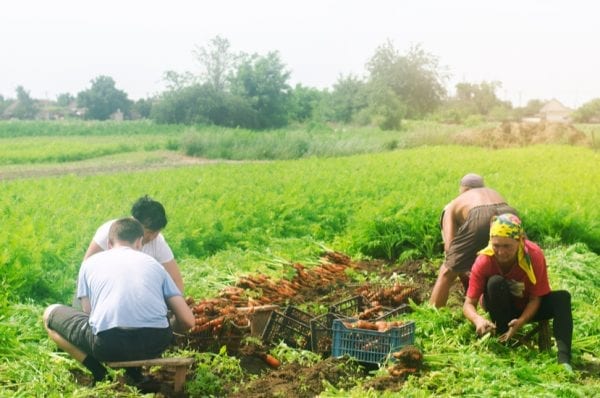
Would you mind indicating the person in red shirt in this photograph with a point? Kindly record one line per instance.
(510, 278)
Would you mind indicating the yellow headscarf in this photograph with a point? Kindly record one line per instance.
(509, 226)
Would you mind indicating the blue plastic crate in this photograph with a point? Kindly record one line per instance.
(370, 346)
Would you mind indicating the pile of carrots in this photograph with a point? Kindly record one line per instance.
(408, 361)
(256, 290)
(379, 326)
(388, 296)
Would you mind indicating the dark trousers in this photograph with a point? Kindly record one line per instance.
(556, 305)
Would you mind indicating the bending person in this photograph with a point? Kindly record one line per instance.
(465, 227)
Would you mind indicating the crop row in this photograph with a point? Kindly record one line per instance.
(384, 206)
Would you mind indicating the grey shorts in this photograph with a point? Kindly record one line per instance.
(109, 345)
(473, 236)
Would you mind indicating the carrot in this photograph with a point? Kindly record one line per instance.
(271, 360)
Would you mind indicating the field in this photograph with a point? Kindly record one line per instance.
(230, 219)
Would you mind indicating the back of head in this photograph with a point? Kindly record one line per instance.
(125, 230)
(472, 180)
(150, 213)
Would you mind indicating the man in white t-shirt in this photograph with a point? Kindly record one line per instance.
(153, 217)
(125, 295)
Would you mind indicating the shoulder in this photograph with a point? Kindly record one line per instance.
(106, 226)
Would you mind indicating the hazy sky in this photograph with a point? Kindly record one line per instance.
(537, 49)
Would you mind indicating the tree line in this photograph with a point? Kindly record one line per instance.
(252, 91)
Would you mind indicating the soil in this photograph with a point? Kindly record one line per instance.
(519, 134)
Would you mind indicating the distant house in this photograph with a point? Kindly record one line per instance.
(554, 111)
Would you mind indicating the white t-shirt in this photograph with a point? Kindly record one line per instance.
(157, 248)
(126, 289)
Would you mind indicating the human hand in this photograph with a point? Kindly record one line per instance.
(513, 326)
(484, 326)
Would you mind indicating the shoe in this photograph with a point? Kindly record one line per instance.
(148, 385)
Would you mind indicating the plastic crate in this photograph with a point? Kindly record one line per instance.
(390, 313)
(321, 333)
(291, 331)
(349, 307)
(298, 315)
(370, 346)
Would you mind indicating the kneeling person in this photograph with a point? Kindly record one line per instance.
(125, 295)
(510, 276)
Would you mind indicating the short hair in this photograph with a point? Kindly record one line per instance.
(472, 180)
(125, 230)
(150, 213)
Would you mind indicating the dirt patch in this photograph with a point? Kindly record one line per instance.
(112, 164)
(515, 134)
(296, 381)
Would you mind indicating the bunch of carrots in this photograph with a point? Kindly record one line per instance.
(379, 326)
(389, 296)
(408, 361)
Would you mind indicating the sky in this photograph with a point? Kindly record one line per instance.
(535, 49)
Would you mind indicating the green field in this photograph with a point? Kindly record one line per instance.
(227, 220)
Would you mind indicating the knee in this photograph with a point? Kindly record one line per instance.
(496, 283)
(447, 273)
(48, 312)
(563, 297)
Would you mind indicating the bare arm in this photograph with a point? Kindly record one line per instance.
(92, 249)
(448, 225)
(513, 326)
(482, 325)
(184, 317)
(85, 305)
(173, 269)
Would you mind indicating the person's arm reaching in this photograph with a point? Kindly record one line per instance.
(173, 269)
(530, 310)
(184, 317)
(482, 325)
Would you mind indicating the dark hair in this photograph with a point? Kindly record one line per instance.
(125, 230)
(150, 213)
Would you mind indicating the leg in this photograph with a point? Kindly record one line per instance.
(441, 289)
(72, 323)
(557, 305)
(497, 301)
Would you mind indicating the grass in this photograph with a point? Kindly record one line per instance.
(227, 220)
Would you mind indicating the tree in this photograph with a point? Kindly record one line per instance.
(480, 98)
(413, 79)
(588, 112)
(64, 99)
(103, 99)
(349, 96)
(26, 107)
(305, 103)
(217, 62)
(262, 81)
(142, 108)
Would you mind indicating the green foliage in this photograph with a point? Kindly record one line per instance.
(348, 98)
(232, 219)
(103, 99)
(588, 112)
(26, 107)
(74, 128)
(212, 372)
(263, 82)
(414, 79)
